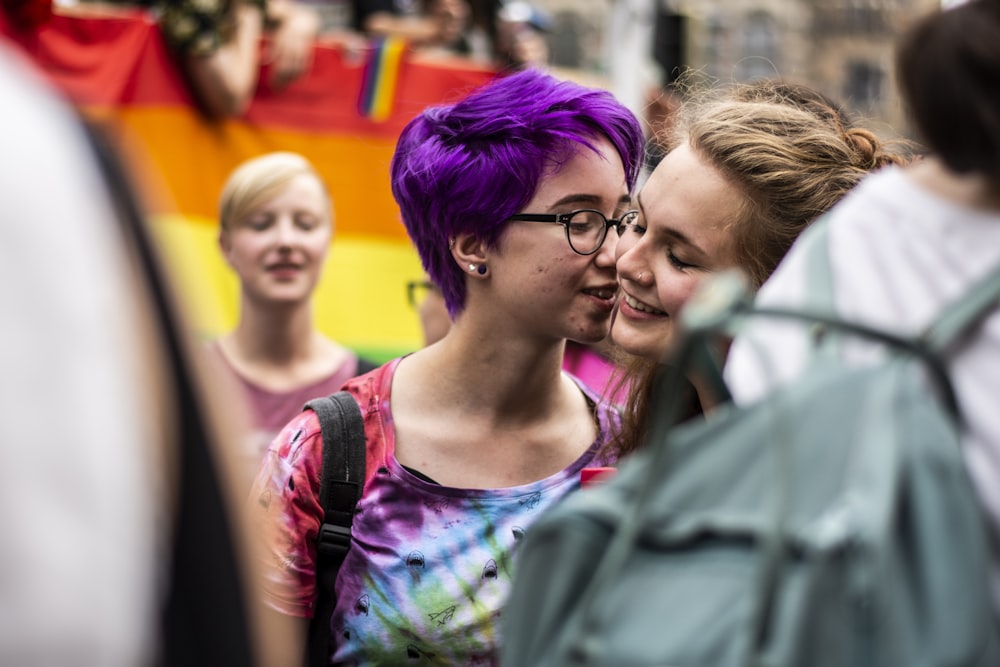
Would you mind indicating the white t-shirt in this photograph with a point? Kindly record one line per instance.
(898, 255)
(78, 565)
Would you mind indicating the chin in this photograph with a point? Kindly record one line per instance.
(283, 299)
(648, 345)
(591, 336)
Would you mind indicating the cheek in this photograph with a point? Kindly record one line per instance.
(542, 278)
(548, 279)
(319, 246)
(675, 289)
(244, 248)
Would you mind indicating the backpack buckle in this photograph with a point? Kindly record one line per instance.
(333, 540)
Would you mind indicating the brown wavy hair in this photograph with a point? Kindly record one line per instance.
(794, 153)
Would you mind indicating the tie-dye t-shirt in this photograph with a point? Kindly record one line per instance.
(429, 567)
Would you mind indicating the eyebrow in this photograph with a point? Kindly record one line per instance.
(669, 231)
(583, 198)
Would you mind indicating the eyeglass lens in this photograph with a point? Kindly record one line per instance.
(586, 230)
(416, 291)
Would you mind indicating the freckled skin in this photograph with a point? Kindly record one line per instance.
(538, 282)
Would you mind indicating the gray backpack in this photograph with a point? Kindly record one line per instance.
(832, 523)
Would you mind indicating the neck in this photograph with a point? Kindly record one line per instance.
(274, 333)
(972, 190)
(490, 373)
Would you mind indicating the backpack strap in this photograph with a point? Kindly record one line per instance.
(819, 276)
(960, 316)
(341, 483)
(955, 319)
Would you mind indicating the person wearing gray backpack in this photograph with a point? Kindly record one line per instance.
(841, 510)
(908, 241)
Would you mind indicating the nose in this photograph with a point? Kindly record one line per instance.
(626, 240)
(286, 233)
(609, 249)
(630, 265)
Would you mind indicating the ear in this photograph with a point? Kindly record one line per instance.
(468, 250)
(224, 244)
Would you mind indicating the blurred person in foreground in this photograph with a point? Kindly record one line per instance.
(81, 437)
(910, 240)
(115, 472)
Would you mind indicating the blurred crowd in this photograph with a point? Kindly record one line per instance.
(216, 42)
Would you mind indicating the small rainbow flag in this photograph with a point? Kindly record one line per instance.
(380, 77)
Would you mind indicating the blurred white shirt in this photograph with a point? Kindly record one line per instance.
(898, 255)
(77, 485)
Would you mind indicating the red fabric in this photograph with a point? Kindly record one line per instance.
(27, 14)
(105, 61)
(327, 98)
(123, 61)
(121, 71)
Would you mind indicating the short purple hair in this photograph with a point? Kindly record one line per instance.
(469, 166)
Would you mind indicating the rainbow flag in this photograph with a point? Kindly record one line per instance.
(118, 70)
(380, 78)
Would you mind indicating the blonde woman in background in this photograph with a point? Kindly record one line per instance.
(276, 224)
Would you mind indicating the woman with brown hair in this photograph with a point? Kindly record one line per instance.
(745, 174)
(911, 240)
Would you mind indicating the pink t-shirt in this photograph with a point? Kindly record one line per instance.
(595, 371)
(271, 410)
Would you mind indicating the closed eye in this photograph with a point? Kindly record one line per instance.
(306, 222)
(259, 223)
(677, 263)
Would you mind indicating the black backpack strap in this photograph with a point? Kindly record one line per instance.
(341, 483)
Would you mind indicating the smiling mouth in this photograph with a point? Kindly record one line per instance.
(641, 307)
(605, 294)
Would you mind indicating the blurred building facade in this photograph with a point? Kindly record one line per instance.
(844, 48)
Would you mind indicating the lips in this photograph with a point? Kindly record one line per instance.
(605, 292)
(635, 304)
(282, 267)
(284, 271)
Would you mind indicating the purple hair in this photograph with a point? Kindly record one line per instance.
(469, 166)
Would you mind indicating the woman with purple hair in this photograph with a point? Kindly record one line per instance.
(508, 196)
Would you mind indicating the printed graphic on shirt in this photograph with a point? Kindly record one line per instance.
(429, 567)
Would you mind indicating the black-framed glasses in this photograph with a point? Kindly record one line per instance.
(586, 228)
(417, 291)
